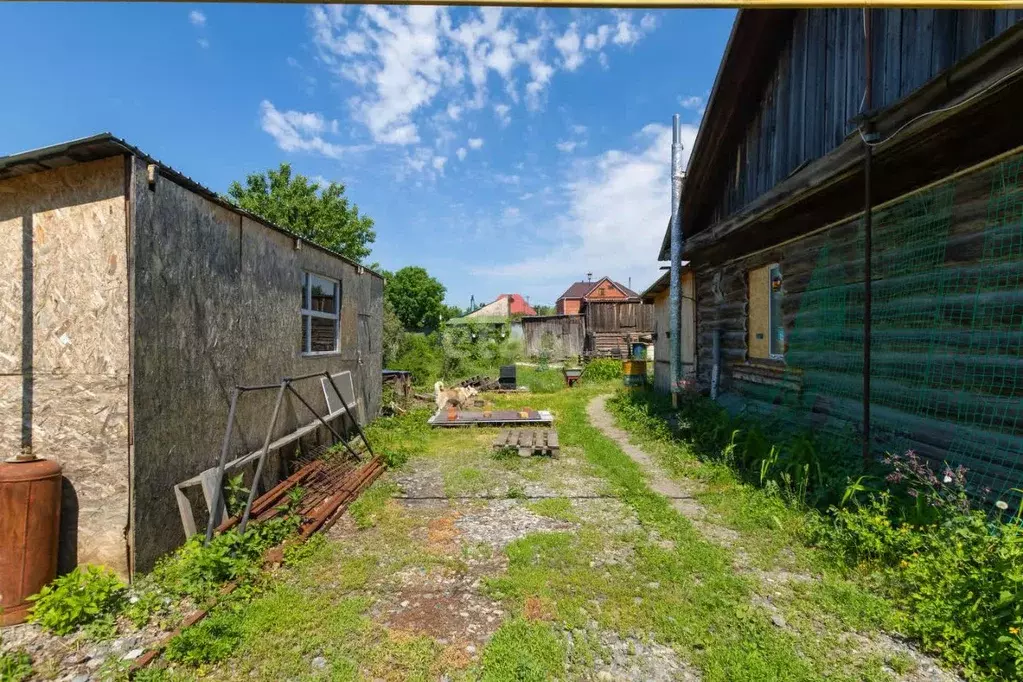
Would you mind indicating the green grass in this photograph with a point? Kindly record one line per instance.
(661, 581)
(523, 651)
(555, 507)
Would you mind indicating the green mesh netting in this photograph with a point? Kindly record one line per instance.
(947, 337)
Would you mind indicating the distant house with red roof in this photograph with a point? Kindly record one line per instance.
(504, 306)
(574, 300)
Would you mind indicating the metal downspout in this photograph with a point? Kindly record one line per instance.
(676, 259)
(867, 233)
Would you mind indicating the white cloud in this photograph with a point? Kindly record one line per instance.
(461, 153)
(475, 142)
(621, 194)
(567, 146)
(197, 18)
(503, 115)
(569, 45)
(506, 179)
(691, 102)
(511, 212)
(203, 43)
(406, 63)
(438, 163)
(298, 131)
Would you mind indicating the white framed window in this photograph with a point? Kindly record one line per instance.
(321, 310)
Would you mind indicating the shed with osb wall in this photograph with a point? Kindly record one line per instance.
(133, 300)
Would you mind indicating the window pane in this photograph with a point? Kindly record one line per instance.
(777, 322)
(305, 290)
(324, 294)
(305, 336)
(324, 335)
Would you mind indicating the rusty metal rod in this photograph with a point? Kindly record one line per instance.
(315, 413)
(262, 456)
(355, 420)
(218, 494)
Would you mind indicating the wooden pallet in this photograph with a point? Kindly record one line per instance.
(528, 441)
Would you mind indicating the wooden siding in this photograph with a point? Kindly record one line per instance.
(662, 335)
(566, 332)
(818, 85)
(631, 317)
(612, 326)
(947, 348)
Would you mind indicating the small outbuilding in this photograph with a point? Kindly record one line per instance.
(132, 301)
(658, 295)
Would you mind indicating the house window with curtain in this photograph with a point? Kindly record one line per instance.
(321, 308)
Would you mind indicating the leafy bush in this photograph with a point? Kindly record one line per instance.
(210, 641)
(603, 369)
(957, 573)
(15, 666)
(85, 595)
(197, 571)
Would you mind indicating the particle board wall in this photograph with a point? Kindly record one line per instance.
(218, 299)
(73, 220)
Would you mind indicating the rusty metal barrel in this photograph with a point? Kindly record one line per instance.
(29, 530)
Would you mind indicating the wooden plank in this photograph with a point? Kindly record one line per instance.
(892, 59)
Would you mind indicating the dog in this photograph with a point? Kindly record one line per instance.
(459, 396)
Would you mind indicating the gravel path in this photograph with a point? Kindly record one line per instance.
(680, 494)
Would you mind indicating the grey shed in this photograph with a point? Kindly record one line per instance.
(132, 300)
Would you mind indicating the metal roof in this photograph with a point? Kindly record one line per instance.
(105, 145)
(582, 289)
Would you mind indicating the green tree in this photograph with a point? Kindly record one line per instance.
(544, 309)
(321, 215)
(418, 298)
(393, 333)
(450, 311)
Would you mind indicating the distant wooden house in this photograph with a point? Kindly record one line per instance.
(613, 315)
(774, 227)
(575, 298)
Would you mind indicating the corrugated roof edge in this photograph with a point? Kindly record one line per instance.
(38, 157)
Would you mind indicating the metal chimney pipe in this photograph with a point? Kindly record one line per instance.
(676, 259)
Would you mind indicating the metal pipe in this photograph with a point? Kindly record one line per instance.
(675, 358)
(219, 491)
(867, 234)
(262, 455)
(715, 370)
(315, 413)
(355, 420)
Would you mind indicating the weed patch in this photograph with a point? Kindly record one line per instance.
(523, 651)
(554, 508)
(86, 596)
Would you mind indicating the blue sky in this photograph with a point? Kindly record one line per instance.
(505, 151)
